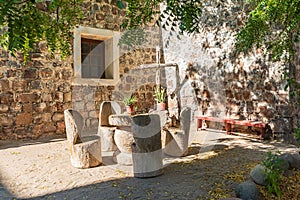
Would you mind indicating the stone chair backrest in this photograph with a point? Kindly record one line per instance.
(74, 124)
(108, 108)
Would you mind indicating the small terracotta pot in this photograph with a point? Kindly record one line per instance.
(161, 106)
(130, 109)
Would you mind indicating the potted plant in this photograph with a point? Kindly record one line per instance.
(129, 101)
(160, 97)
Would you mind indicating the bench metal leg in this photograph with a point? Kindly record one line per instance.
(228, 128)
(262, 132)
(199, 124)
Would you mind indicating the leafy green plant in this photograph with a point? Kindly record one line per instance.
(273, 171)
(159, 94)
(23, 24)
(129, 101)
(180, 15)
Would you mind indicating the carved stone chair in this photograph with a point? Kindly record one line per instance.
(105, 130)
(85, 151)
(177, 139)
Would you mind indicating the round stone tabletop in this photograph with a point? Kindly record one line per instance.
(120, 120)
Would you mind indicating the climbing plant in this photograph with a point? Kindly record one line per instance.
(24, 23)
(274, 24)
(182, 14)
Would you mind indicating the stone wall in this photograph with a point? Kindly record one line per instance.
(34, 95)
(245, 87)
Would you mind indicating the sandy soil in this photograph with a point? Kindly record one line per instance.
(41, 170)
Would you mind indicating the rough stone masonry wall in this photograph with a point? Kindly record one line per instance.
(34, 96)
(245, 87)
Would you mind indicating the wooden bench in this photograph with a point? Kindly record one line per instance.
(228, 122)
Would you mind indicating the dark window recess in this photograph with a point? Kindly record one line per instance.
(92, 58)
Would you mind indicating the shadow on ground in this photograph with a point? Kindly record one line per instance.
(197, 176)
(194, 179)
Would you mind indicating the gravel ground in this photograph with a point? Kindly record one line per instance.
(42, 170)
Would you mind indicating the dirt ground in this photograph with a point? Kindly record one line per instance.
(41, 169)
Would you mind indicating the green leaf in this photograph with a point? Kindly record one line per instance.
(120, 4)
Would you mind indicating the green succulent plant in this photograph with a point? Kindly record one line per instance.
(160, 94)
(129, 100)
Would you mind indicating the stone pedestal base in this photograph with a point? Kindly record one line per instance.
(122, 158)
(107, 138)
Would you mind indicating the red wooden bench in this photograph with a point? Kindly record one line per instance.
(228, 122)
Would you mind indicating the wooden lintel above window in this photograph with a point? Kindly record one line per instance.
(95, 37)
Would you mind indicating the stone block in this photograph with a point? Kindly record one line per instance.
(122, 158)
(36, 85)
(27, 107)
(23, 119)
(66, 74)
(28, 97)
(4, 85)
(40, 107)
(64, 87)
(60, 127)
(58, 117)
(280, 125)
(90, 105)
(6, 120)
(49, 127)
(46, 97)
(19, 85)
(59, 96)
(59, 107)
(46, 73)
(3, 108)
(107, 138)
(78, 105)
(93, 114)
(269, 97)
(16, 107)
(68, 97)
(30, 73)
(6, 98)
(46, 117)
(37, 119)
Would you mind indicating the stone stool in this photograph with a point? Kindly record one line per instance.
(177, 140)
(105, 130)
(85, 151)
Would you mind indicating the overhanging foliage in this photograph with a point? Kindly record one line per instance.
(274, 24)
(23, 23)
